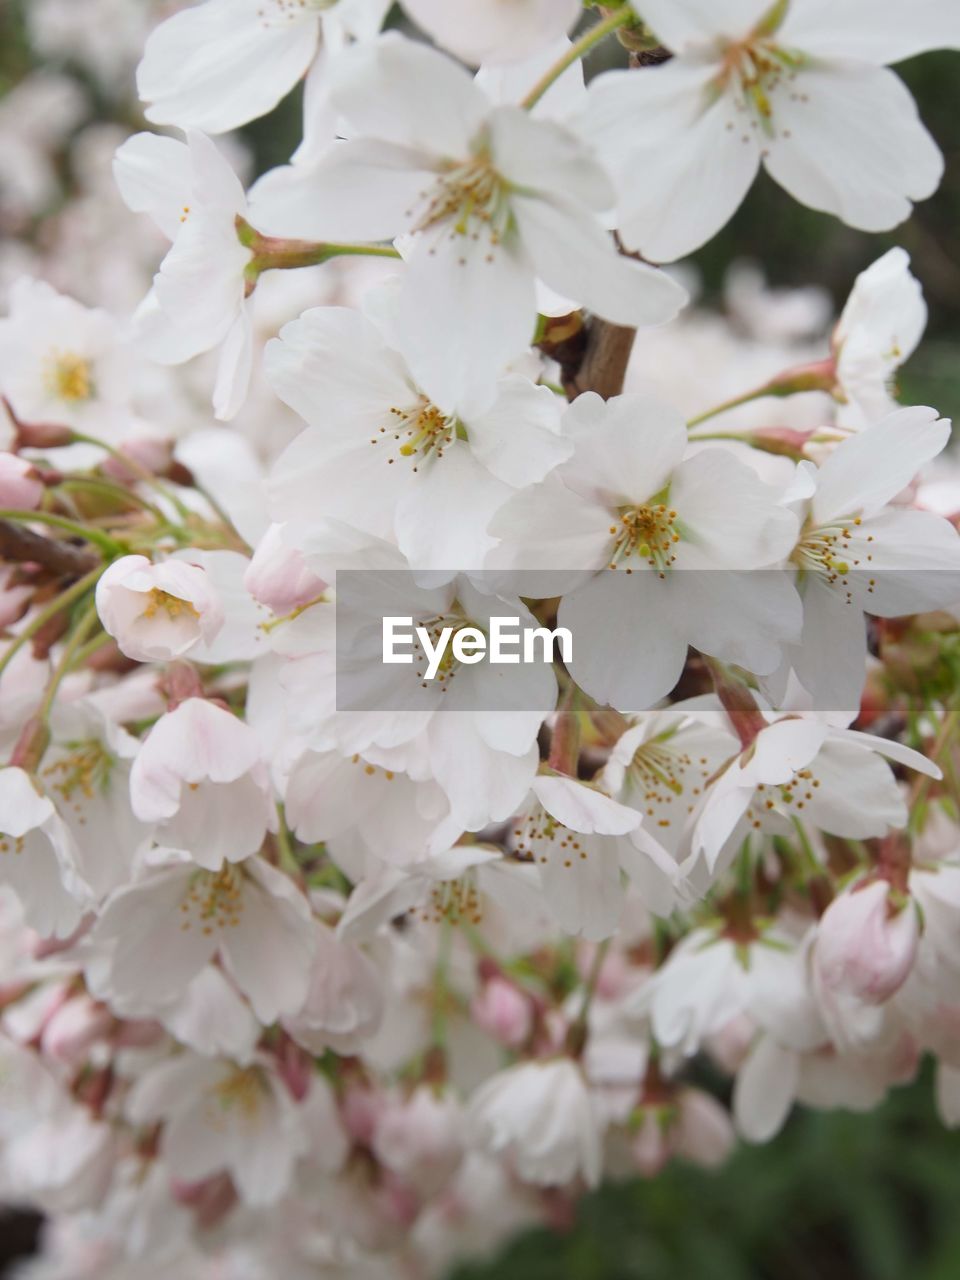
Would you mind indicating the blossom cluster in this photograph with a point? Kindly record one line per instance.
(295, 988)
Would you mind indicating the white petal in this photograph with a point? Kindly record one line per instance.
(486, 30)
(441, 521)
(402, 91)
(869, 469)
(871, 30)
(572, 253)
(584, 893)
(217, 65)
(360, 190)
(518, 438)
(468, 309)
(628, 651)
(234, 369)
(682, 23)
(583, 808)
(333, 367)
(691, 161)
(849, 142)
(765, 1088)
(543, 158)
(155, 176)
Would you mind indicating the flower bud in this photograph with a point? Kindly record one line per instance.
(503, 1012)
(865, 945)
(73, 1028)
(278, 576)
(147, 453)
(20, 485)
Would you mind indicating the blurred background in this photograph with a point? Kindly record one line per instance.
(836, 1196)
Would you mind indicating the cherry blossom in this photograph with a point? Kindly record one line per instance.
(790, 87)
(452, 177)
(156, 612)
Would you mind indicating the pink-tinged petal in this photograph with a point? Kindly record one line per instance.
(269, 954)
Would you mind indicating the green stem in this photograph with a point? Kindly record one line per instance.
(618, 18)
(275, 253)
(106, 544)
(819, 376)
(71, 649)
(55, 606)
(757, 394)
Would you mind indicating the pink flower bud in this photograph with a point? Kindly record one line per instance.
(865, 946)
(360, 1112)
(148, 453)
(278, 576)
(73, 1028)
(503, 1012)
(20, 486)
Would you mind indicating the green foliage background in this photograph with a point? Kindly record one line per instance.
(836, 1196)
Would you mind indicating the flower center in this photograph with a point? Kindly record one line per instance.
(449, 664)
(85, 767)
(214, 900)
(173, 606)
(419, 432)
(242, 1091)
(454, 901)
(540, 831)
(661, 773)
(785, 798)
(473, 198)
(272, 12)
(761, 67)
(833, 552)
(647, 533)
(70, 377)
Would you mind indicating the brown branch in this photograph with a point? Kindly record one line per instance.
(604, 364)
(24, 546)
